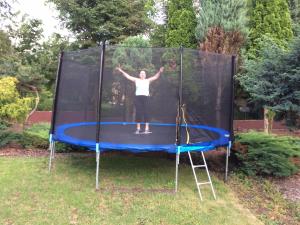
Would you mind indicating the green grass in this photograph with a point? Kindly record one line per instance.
(30, 195)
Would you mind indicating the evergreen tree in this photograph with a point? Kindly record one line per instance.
(221, 25)
(181, 23)
(273, 81)
(157, 36)
(270, 18)
(294, 6)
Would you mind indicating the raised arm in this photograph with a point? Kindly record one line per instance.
(156, 76)
(126, 74)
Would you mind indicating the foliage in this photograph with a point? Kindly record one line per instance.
(274, 80)
(157, 36)
(37, 136)
(48, 55)
(28, 35)
(221, 25)
(9, 61)
(3, 125)
(181, 23)
(132, 59)
(294, 6)
(5, 44)
(271, 18)
(46, 100)
(12, 106)
(268, 154)
(7, 137)
(104, 20)
(31, 61)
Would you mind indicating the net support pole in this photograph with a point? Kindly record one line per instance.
(54, 109)
(179, 119)
(99, 102)
(177, 164)
(233, 70)
(97, 165)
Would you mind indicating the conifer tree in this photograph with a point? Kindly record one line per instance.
(270, 18)
(181, 23)
(294, 6)
(221, 25)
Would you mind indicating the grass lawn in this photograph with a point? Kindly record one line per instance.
(30, 195)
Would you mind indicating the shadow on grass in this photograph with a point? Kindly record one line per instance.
(122, 172)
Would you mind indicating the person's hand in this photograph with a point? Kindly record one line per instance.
(118, 68)
(161, 69)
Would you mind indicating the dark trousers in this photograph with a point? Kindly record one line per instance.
(141, 108)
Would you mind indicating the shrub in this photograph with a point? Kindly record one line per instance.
(46, 101)
(12, 106)
(7, 137)
(3, 125)
(37, 136)
(267, 154)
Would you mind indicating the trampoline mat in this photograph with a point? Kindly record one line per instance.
(121, 136)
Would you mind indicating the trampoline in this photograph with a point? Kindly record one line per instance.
(120, 136)
(189, 107)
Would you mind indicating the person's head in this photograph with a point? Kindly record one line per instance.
(143, 74)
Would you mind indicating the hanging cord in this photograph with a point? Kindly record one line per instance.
(186, 125)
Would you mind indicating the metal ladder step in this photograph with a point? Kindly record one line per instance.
(198, 166)
(203, 183)
(198, 184)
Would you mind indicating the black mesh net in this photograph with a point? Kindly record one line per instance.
(119, 100)
(77, 90)
(206, 94)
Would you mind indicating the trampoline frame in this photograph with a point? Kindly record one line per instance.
(178, 146)
(222, 140)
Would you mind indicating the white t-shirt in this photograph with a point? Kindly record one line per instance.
(142, 87)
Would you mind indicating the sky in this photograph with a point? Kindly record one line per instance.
(38, 9)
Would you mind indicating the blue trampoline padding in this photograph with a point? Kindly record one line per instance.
(222, 140)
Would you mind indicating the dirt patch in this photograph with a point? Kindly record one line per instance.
(20, 152)
(23, 152)
(290, 187)
(264, 199)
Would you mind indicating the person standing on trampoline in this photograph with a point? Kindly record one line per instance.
(141, 97)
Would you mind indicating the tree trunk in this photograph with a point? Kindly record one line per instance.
(269, 115)
(266, 121)
(37, 100)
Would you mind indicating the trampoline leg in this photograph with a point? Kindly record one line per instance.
(176, 174)
(97, 169)
(226, 166)
(53, 153)
(52, 150)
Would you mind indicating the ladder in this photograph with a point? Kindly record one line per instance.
(196, 178)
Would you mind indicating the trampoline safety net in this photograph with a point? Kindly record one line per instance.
(189, 104)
